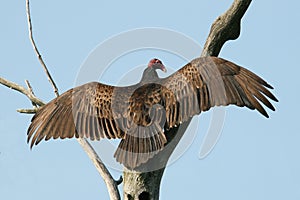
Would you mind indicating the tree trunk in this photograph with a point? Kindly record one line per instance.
(144, 182)
(142, 185)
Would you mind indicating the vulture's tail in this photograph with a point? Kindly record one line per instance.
(139, 145)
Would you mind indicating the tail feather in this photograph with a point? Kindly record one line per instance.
(139, 145)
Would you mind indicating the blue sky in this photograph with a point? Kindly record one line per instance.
(255, 158)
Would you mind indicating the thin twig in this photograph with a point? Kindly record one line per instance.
(110, 182)
(23, 90)
(27, 111)
(37, 51)
(29, 87)
(31, 91)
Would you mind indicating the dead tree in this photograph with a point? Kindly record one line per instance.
(141, 185)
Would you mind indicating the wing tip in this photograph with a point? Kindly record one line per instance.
(266, 115)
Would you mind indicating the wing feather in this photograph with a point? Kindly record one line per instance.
(207, 82)
(84, 111)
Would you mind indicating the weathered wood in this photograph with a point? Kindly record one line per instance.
(142, 185)
(226, 27)
(21, 89)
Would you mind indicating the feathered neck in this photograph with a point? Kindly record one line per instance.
(149, 76)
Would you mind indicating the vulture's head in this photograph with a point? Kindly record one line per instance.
(150, 75)
(156, 64)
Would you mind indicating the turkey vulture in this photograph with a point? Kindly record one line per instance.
(139, 114)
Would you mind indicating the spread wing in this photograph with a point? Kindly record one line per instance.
(211, 81)
(95, 111)
(84, 111)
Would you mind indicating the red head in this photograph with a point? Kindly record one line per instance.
(156, 64)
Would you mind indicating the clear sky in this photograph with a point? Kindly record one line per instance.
(255, 157)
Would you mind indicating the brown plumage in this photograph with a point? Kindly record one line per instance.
(140, 113)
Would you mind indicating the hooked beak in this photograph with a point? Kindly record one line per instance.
(163, 68)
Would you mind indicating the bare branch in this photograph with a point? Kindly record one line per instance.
(37, 51)
(27, 111)
(226, 27)
(23, 90)
(110, 182)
